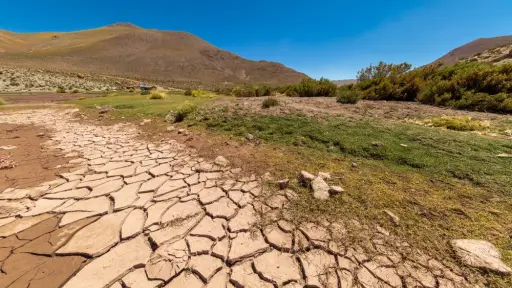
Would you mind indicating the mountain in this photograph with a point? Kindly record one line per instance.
(125, 50)
(344, 82)
(473, 48)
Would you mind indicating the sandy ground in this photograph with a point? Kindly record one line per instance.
(380, 109)
(34, 164)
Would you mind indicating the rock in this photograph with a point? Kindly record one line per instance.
(170, 117)
(103, 270)
(221, 161)
(404, 145)
(320, 189)
(354, 165)
(170, 128)
(305, 178)
(480, 254)
(267, 177)
(324, 175)
(249, 136)
(182, 131)
(393, 217)
(283, 184)
(145, 121)
(40, 134)
(504, 155)
(105, 109)
(336, 190)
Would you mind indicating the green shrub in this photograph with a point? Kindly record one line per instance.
(349, 96)
(156, 96)
(269, 102)
(145, 92)
(75, 91)
(465, 85)
(60, 90)
(184, 110)
(458, 123)
(188, 92)
(2, 101)
(312, 88)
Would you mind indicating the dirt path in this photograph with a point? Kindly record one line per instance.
(136, 214)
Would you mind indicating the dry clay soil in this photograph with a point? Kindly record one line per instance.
(137, 214)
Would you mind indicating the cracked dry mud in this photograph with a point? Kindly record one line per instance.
(136, 214)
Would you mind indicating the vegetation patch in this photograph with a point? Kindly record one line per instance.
(2, 101)
(458, 123)
(60, 90)
(349, 96)
(466, 85)
(156, 96)
(184, 110)
(269, 102)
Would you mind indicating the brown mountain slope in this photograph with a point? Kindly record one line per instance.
(130, 51)
(472, 48)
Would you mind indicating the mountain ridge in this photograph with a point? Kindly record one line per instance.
(123, 49)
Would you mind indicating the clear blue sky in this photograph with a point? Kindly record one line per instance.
(331, 38)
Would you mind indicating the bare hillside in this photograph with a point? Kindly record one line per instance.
(127, 50)
(473, 48)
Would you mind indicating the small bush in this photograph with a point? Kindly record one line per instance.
(145, 92)
(184, 110)
(156, 96)
(458, 123)
(188, 92)
(269, 102)
(74, 91)
(2, 101)
(349, 96)
(60, 90)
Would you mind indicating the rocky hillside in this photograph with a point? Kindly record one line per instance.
(35, 80)
(129, 51)
(473, 48)
(498, 55)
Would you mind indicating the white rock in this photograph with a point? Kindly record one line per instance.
(320, 189)
(480, 254)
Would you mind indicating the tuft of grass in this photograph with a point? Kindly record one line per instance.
(145, 92)
(60, 90)
(2, 101)
(156, 96)
(458, 123)
(184, 110)
(269, 102)
(75, 91)
(188, 92)
(349, 96)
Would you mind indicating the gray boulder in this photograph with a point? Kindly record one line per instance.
(480, 254)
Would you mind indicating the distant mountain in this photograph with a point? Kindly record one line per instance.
(344, 82)
(126, 50)
(473, 48)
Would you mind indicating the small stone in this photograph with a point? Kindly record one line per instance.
(221, 161)
(404, 145)
(249, 136)
(324, 175)
(480, 254)
(305, 178)
(283, 184)
(170, 128)
(335, 190)
(320, 189)
(393, 217)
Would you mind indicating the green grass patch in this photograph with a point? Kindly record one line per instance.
(269, 102)
(429, 150)
(138, 106)
(156, 96)
(458, 123)
(2, 101)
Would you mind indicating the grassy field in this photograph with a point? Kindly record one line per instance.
(139, 106)
(442, 184)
